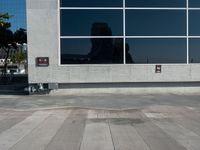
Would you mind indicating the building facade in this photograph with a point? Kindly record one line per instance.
(114, 41)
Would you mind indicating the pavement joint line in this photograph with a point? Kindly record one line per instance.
(72, 107)
(80, 107)
(53, 113)
(98, 94)
(29, 132)
(111, 134)
(26, 131)
(142, 116)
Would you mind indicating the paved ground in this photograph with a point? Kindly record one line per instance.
(101, 101)
(103, 122)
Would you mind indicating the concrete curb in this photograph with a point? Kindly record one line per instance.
(127, 90)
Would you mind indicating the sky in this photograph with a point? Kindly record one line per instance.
(16, 8)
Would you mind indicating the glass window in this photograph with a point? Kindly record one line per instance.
(194, 3)
(144, 51)
(155, 23)
(194, 45)
(91, 22)
(92, 3)
(194, 23)
(91, 51)
(156, 3)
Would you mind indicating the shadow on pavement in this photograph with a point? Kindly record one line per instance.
(13, 84)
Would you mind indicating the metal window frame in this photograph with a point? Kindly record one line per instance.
(124, 8)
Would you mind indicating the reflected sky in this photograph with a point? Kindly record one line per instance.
(92, 3)
(79, 22)
(156, 3)
(129, 3)
(194, 45)
(194, 3)
(138, 51)
(138, 23)
(91, 51)
(76, 46)
(155, 23)
(194, 22)
(158, 50)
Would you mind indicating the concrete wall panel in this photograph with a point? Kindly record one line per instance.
(43, 35)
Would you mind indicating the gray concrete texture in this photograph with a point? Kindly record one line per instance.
(98, 101)
(43, 41)
(102, 122)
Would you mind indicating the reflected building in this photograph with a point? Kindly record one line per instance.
(129, 59)
(101, 29)
(102, 48)
(106, 50)
(118, 51)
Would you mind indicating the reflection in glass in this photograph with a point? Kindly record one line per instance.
(194, 3)
(99, 29)
(80, 22)
(194, 22)
(156, 3)
(91, 51)
(194, 46)
(91, 3)
(155, 23)
(129, 58)
(144, 51)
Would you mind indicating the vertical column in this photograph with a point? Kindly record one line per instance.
(124, 29)
(187, 24)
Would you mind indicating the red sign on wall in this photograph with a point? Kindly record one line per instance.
(42, 61)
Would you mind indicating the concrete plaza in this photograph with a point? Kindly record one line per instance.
(100, 122)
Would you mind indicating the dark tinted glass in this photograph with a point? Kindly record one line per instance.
(156, 3)
(194, 45)
(155, 22)
(91, 22)
(142, 51)
(194, 23)
(91, 3)
(91, 51)
(194, 3)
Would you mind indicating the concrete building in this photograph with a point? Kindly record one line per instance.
(123, 42)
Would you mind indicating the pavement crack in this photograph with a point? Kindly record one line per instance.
(108, 121)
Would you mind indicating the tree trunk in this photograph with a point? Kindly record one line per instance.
(5, 67)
